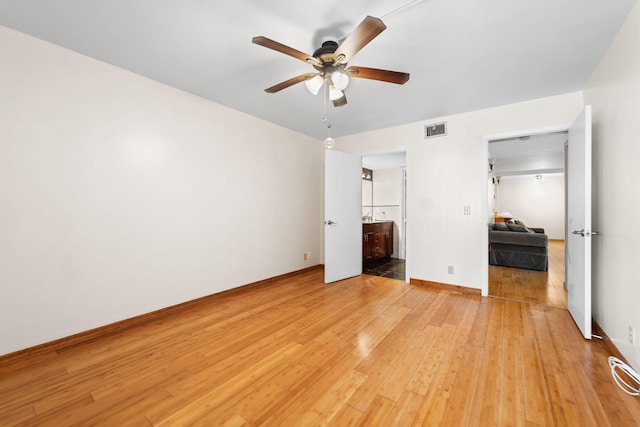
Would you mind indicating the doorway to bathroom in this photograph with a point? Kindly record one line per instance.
(384, 222)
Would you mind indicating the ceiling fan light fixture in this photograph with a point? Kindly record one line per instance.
(314, 84)
(335, 93)
(340, 80)
(333, 57)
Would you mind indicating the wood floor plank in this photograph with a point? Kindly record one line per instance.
(381, 409)
(536, 394)
(235, 421)
(371, 335)
(14, 415)
(490, 408)
(68, 413)
(439, 394)
(582, 388)
(203, 405)
(436, 352)
(364, 351)
(347, 416)
(381, 364)
(405, 411)
(310, 388)
(511, 395)
(539, 287)
(333, 400)
(563, 408)
(315, 379)
(463, 390)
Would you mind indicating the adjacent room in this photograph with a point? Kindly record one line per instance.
(527, 218)
(384, 215)
(282, 213)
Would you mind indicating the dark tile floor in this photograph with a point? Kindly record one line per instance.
(392, 268)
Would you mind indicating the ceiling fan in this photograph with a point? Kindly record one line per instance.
(330, 61)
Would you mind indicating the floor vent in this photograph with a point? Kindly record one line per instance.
(435, 129)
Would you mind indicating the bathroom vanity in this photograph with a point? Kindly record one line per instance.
(377, 240)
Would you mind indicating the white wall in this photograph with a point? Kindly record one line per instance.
(387, 201)
(614, 93)
(120, 196)
(450, 172)
(367, 197)
(537, 203)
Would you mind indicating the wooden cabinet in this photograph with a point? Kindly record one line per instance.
(377, 240)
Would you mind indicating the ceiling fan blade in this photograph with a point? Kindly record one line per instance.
(377, 74)
(366, 31)
(285, 84)
(272, 44)
(340, 101)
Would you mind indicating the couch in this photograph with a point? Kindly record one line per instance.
(512, 244)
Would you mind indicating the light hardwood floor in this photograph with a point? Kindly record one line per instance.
(295, 352)
(539, 287)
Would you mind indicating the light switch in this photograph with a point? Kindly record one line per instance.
(467, 210)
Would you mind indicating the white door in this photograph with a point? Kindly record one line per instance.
(342, 216)
(578, 263)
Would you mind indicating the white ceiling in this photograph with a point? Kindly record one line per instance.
(528, 155)
(462, 55)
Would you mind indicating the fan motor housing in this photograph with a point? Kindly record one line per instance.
(326, 51)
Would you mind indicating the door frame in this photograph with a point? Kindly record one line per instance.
(485, 190)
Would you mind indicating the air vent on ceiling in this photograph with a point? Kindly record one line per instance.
(435, 129)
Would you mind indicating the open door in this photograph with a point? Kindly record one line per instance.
(342, 216)
(578, 259)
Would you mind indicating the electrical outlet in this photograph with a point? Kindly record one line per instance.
(632, 336)
(450, 269)
(305, 256)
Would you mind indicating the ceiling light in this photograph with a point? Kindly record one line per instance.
(329, 143)
(340, 80)
(314, 84)
(335, 93)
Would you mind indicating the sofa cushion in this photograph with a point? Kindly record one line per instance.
(500, 226)
(518, 228)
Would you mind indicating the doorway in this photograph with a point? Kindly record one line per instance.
(384, 186)
(526, 212)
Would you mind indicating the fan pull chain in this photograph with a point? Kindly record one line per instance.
(327, 112)
(329, 142)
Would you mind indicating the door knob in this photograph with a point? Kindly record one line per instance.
(330, 222)
(585, 233)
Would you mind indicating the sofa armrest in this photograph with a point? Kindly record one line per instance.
(537, 230)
